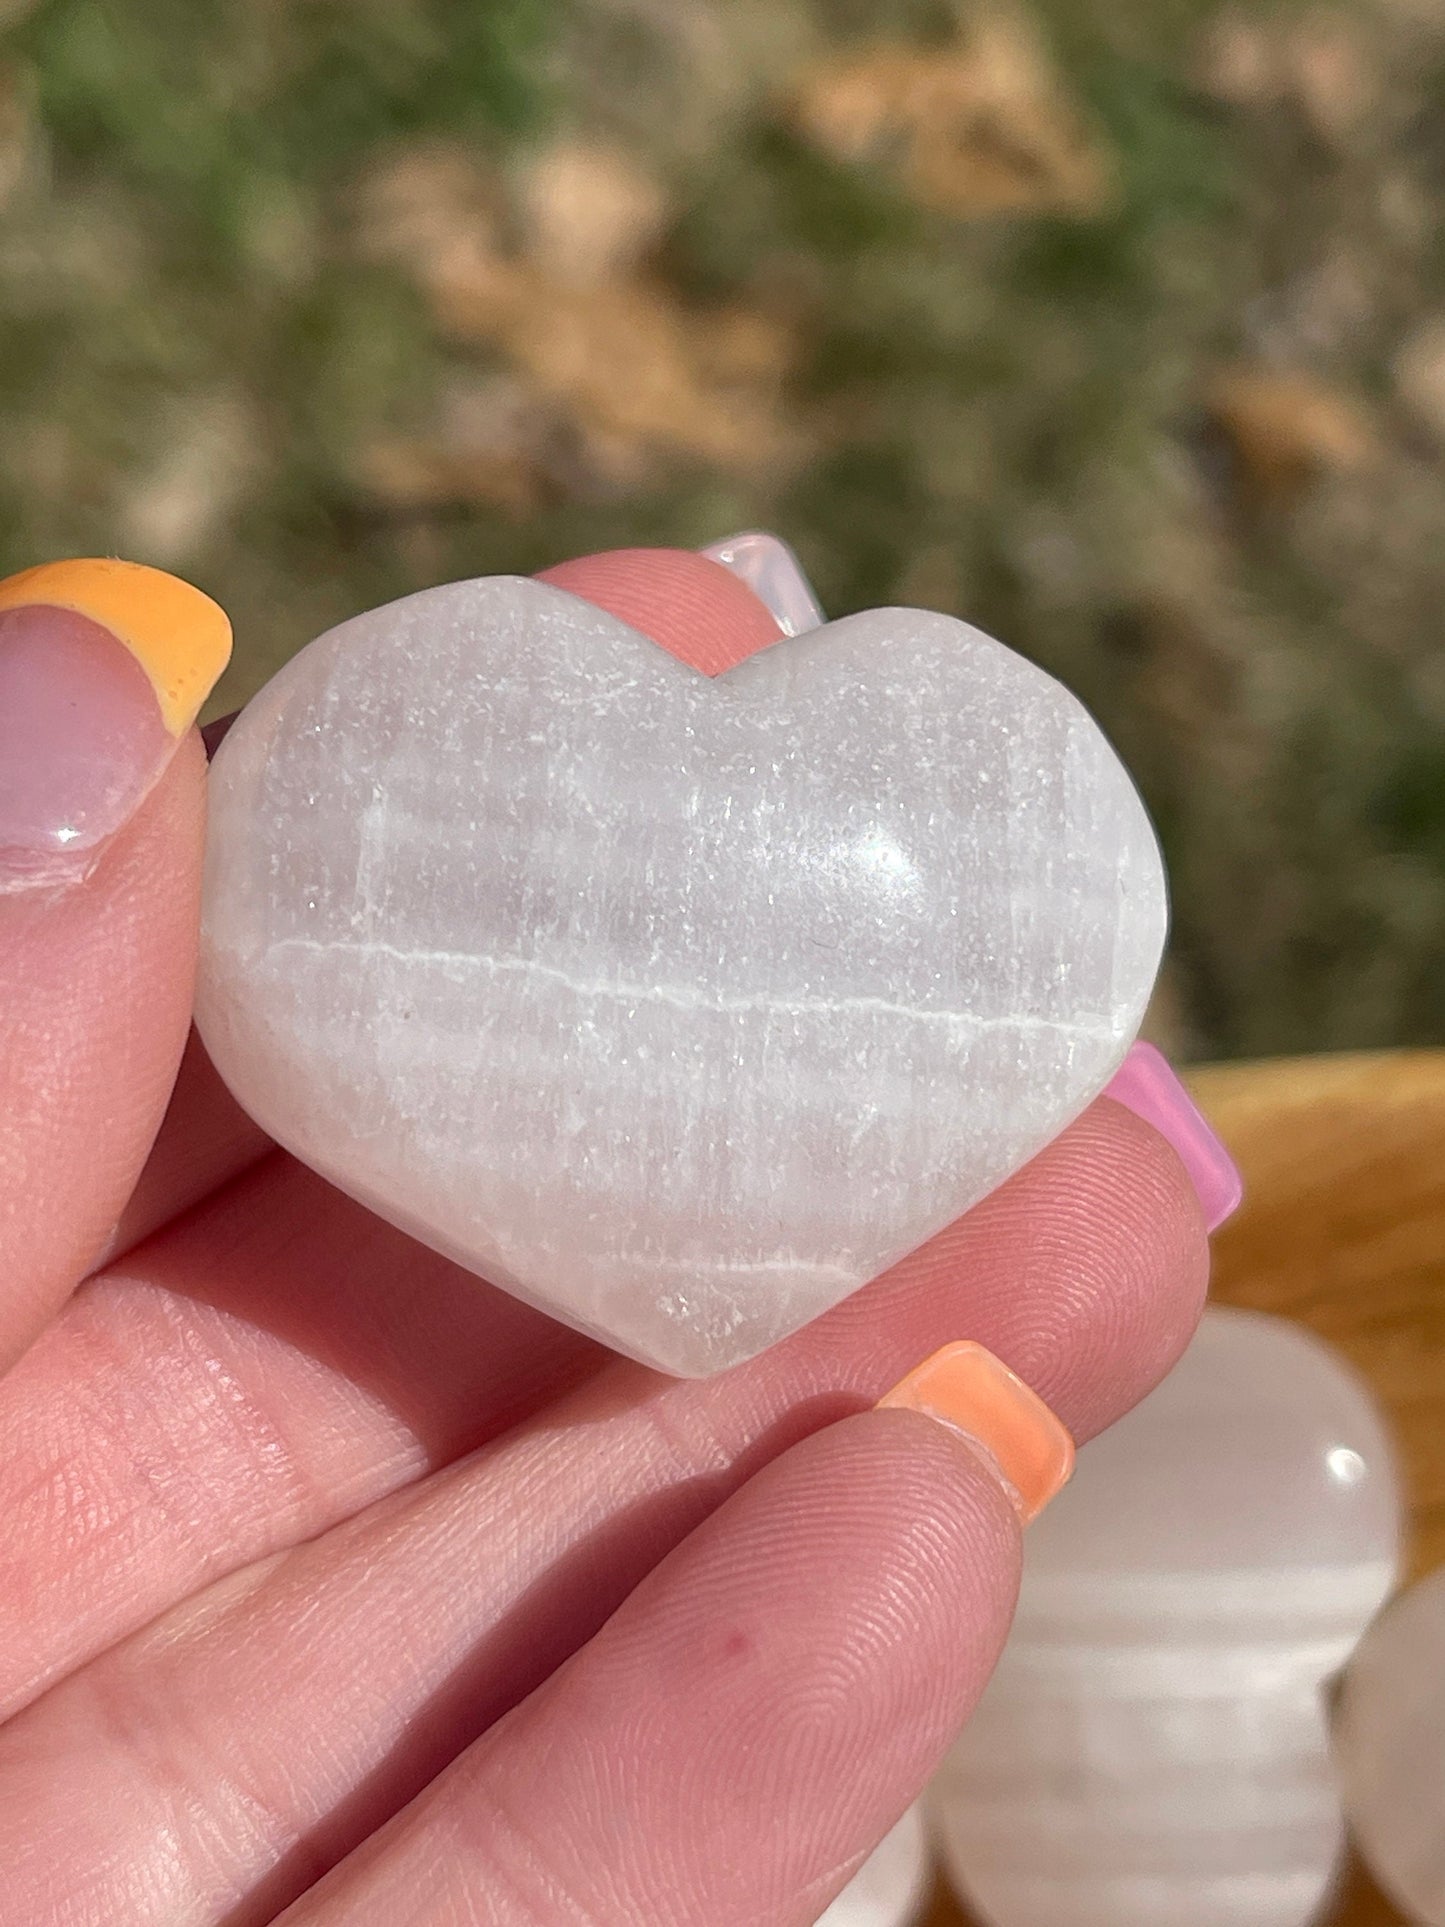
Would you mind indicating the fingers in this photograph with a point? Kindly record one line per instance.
(700, 611)
(255, 1734)
(266, 1367)
(231, 1408)
(102, 668)
(205, 1140)
(756, 1715)
(688, 604)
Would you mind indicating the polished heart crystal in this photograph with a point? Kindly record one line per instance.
(1390, 1749)
(1153, 1749)
(678, 1006)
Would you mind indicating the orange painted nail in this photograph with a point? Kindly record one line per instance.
(966, 1388)
(178, 636)
(103, 667)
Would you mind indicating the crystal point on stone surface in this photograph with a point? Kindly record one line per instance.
(890, 1888)
(1390, 1749)
(679, 1006)
(1153, 1749)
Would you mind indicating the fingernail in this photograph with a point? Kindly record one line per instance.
(103, 668)
(1147, 1084)
(966, 1388)
(775, 576)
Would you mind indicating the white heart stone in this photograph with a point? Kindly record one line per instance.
(1390, 1748)
(680, 1007)
(1153, 1749)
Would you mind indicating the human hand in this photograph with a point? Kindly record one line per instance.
(338, 1586)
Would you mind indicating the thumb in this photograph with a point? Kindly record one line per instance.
(103, 667)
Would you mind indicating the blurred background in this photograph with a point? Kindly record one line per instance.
(1117, 326)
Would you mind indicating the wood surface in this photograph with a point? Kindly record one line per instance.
(1343, 1228)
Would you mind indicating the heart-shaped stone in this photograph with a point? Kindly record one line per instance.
(678, 1006)
(1153, 1750)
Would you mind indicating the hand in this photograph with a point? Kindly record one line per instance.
(336, 1586)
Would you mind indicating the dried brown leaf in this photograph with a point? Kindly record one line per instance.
(635, 374)
(1288, 429)
(1322, 62)
(433, 211)
(488, 448)
(422, 476)
(982, 127)
(591, 212)
(632, 368)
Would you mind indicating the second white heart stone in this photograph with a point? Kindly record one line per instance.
(1152, 1750)
(680, 1007)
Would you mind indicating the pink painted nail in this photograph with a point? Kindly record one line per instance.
(103, 666)
(1147, 1085)
(775, 576)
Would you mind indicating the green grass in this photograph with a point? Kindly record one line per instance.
(1005, 416)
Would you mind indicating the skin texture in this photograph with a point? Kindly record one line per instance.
(335, 1584)
(95, 984)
